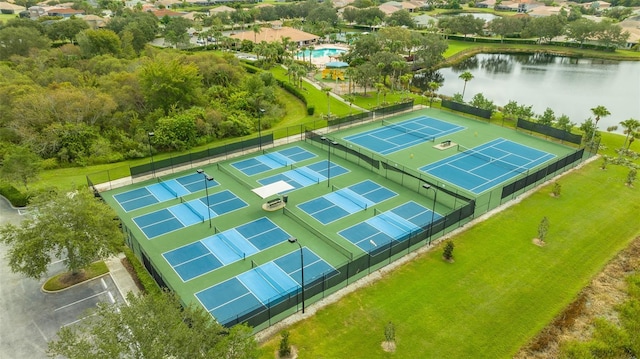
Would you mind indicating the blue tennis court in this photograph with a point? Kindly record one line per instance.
(263, 286)
(185, 214)
(392, 137)
(211, 253)
(484, 167)
(378, 232)
(161, 191)
(272, 160)
(299, 177)
(346, 201)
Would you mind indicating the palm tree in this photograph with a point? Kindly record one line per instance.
(433, 88)
(466, 77)
(379, 86)
(631, 127)
(256, 31)
(599, 111)
(311, 48)
(328, 91)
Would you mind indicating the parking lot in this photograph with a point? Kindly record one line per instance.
(30, 317)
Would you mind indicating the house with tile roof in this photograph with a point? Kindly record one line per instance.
(277, 33)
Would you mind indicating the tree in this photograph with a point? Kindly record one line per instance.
(448, 251)
(482, 102)
(466, 77)
(599, 112)
(564, 123)
(546, 28)
(99, 42)
(433, 89)
(74, 227)
(365, 75)
(169, 83)
(506, 25)
(153, 326)
(543, 229)
(66, 30)
(401, 18)
(611, 35)
(631, 126)
(631, 177)
(581, 30)
(557, 189)
(390, 332)
(20, 40)
(547, 118)
(285, 346)
(176, 31)
(21, 165)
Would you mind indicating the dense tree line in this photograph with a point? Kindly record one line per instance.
(572, 25)
(93, 101)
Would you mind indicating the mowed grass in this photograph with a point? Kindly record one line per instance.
(501, 289)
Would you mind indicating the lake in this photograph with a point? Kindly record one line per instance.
(566, 85)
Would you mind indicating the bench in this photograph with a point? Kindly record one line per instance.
(274, 202)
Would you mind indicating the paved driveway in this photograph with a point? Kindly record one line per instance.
(29, 318)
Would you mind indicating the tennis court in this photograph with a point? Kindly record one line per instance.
(263, 286)
(211, 253)
(392, 137)
(188, 213)
(272, 160)
(378, 232)
(483, 167)
(161, 191)
(346, 201)
(300, 177)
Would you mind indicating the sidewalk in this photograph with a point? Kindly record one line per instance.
(121, 276)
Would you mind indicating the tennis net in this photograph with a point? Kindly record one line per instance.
(230, 244)
(195, 211)
(166, 186)
(345, 194)
(337, 246)
(496, 161)
(414, 132)
(240, 180)
(387, 218)
(304, 173)
(269, 280)
(275, 158)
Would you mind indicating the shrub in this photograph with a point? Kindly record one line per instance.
(285, 346)
(311, 110)
(17, 198)
(149, 284)
(448, 251)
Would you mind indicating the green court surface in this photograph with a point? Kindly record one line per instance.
(443, 197)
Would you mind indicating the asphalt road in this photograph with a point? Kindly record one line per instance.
(29, 318)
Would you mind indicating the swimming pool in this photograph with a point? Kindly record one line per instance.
(320, 53)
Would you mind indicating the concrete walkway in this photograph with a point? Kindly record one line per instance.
(121, 277)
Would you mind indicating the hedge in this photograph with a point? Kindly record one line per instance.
(147, 281)
(292, 90)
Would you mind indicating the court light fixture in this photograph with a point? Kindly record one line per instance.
(295, 240)
(207, 179)
(149, 136)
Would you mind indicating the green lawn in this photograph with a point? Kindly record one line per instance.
(501, 290)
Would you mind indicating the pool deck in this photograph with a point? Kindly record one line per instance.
(321, 61)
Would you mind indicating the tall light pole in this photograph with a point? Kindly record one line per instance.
(149, 136)
(330, 143)
(207, 179)
(260, 114)
(295, 240)
(433, 211)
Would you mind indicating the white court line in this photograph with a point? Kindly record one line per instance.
(80, 301)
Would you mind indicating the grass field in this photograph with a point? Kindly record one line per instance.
(501, 289)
